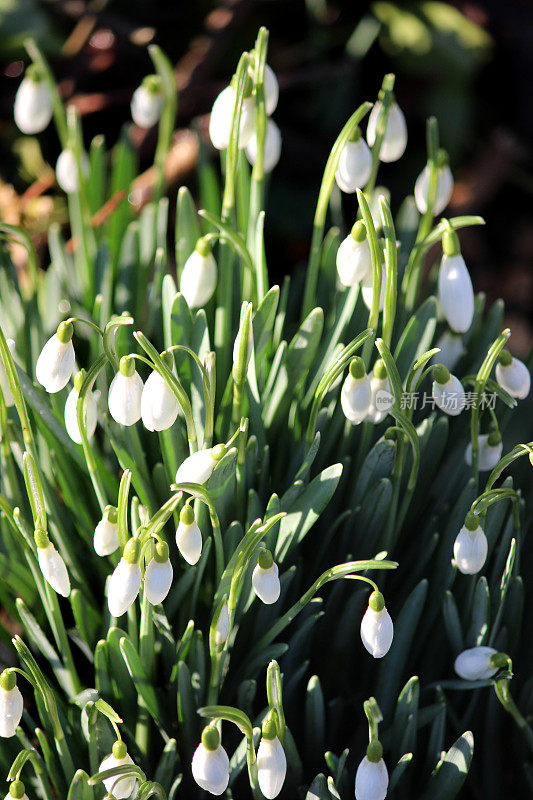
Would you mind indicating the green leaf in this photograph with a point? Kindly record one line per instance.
(318, 789)
(451, 773)
(143, 685)
(79, 788)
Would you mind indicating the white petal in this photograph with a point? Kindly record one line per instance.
(222, 629)
(123, 587)
(271, 89)
(159, 404)
(71, 419)
(354, 167)
(456, 294)
(474, 664)
(120, 787)
(54, 569)
(449, 396)
(33, 106)
(210, 769)
(356, 397)
(4, 381)
(470, 550)
(189, 541)
(146, 107)
(382, 399)
(354, 261)
(488, 456)
(124, 398)
(196, 468)
(157, 581)
(198, 279)
(55, 364)
(395, 139)
(11, 707)
(515, 378)
(221, 119)
(272, 151)
(367, 290)
(371, 780)
(444, 190)
(451, 350)
(377, 631)
(67, 171)
(271, 767)
(265, 583)
(106, 537)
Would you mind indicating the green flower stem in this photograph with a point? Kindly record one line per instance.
(59, 112)
(391, 263)
(242, 721)
(122, 508)
(517, 452)
(275, 697)
(373, 316)
(90, 459)
(502, 693)
(311, 278)
(168, 115)
(387, 87)
(240, 471)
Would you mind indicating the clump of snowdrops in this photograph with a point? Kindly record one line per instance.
(237, 519)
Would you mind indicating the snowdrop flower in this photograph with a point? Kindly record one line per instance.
(147, 102)
(271, 89)
(272, 150)
(159, 404)
(355, 164)
(33, 103)
(11, 704)
(367, 288)
(265, 580)
(125, 392)
(444, 186)
(5, 388)
(372, 777)
(199, 277)
(197, 468)
(67, 174)
(158, 575)
(106, 533)
(222, 117)
(71, 416)
(470, 547)
(479, 663)
(377, 629)
(17, 791)
(210, 763)
(451, 349)
(374, 206)
(490, 448)
(55, 364)
(222, 625)
(513, 375)
(189, 536)
(356, 394)
(271, 761)
(125, 582)
(117, 786)
(382, 398)
(51, 564)
(448, 392)
(456, 294)
(395, 138)
(354, 262)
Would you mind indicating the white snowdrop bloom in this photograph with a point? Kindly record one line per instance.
(395, 138)
(71, 417)
(125, 392)
(55, 364)
(271, 761)
(371, 780)
(374, 205)
(147, 102)
(17, 791)
(5, 388)
(222, 626)
(199, 276)
(125, 582)
(265, 578)
(67, 171)
(272, 151)
(448, 392)
(117, 786)
(355, 165)
(490, 448)
(222, 116)
(513, 375)
(158, 575)
(11, 704)
(456, 294)
(367, 288)
(470, 547)
(106, 533)
(271, 89)
(189, 536)
(377, 629)
(382, 398)
(354, 262)
(159, 404)
(451, 349)
(33, 103)
(476, 664)
(210, 763)
(52, 565)
(356, 394)
(197, 468)
(444, 189)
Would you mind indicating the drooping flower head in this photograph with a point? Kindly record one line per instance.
(513, 375)
(456, 294)
(67, 172)
(356, 394)
(125, 582)
(55, 364)
(444, 186)
(377, 629)
(265, 578)
(119, 787)
(271, 760)
(159, 404)
(395, 136)
(33, 102)
(355, 164)
(199, 277)
(354, 262)
(11, 704)
(448, 392)
(158, 575)
(210, 763)
(71, 411)
(479, 663)
(470, 547)
(125, 392)
(106, 532)
(147, 102)
(189, 536)
(52, 564)
(372, 777)
(272, 148)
